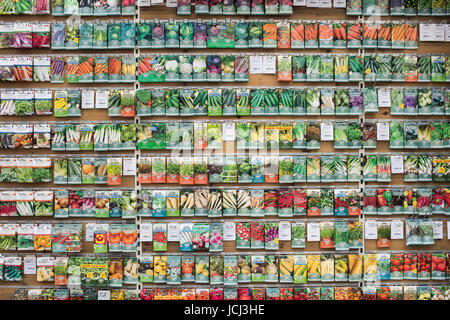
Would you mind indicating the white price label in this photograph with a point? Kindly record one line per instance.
(382, 131)
(101, 99)
(438, 230)
(326, 131)
(313, 231)
(325, 3)
(29, 265)
(284, 231)
(370, 230)
(397, 229)
(256, 65)
(426, 32)
(157, 1)
(173, 231)
(447, 33)
(229, 231)
(129, 166)
(299, 3)
(88, 99)
(384, 98)
(448, 230)
(228, 131)
(90, 228)
(397, 164)
(104, 295)
(269, 64)
(439, 32)
(146, 232)
(339, 4)
(312, 3)
(171, 3)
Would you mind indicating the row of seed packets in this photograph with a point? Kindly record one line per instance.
(234, 269)
(229, 67)
(202, 170)
(398, 8)
(294, 268)
(75, 170)
(388, 292)
(295, 34)
(42, 237)
(371, 67)
(202, 136)
(233, 7)
(185, 102)
(223, 202)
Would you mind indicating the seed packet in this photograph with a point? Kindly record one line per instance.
(313, 265)
(243, 235)
(326, 68)
(271, 236)
(160, 269)
(370, 267)
(174, 270)
(229, 202)
(312, 68)
(299, 169)
(312, 135)
(159, 237)
(383, 266)
(202, 269)
(326, 267)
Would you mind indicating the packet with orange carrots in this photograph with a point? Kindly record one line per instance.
(297, 35)
(325, 35)
(370, 35)
(411, 35)
(384, 36)
(353, 35)
(398, 35)
(311, 35)
(269, 35)
(339, 34)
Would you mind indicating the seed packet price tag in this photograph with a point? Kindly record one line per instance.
(256, 65)
(173, 232)
(448, 230)
(88, 99)
(228, 131)
(157, 1)
(384, 98)
(101, 99)
(325, 3)
(90, 227)
(370, 230)
(146, 232)
(229, 231)
(312, 3)
(397, 229)
(382, 131)
(129, 166)
(339, 4)
(269, 64)
(104, 295)
(171, 3)
(438, 230)
(29, 265)
(397, 164)
(298, 3)
(284, 231)
(439, 32)
(313, 231)
(447, 33)
(425, 32)
(326, 131)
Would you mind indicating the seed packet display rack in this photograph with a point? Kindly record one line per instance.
(255, 80)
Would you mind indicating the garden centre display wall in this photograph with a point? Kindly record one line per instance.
(17, 140)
